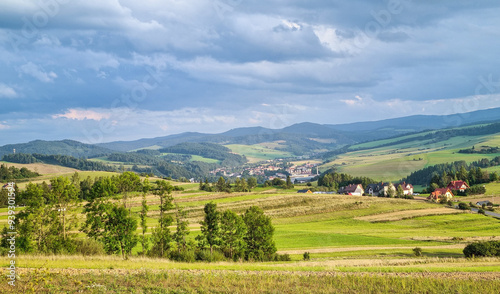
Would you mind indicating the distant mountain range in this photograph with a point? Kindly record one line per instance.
(306, 136)
(299, 138)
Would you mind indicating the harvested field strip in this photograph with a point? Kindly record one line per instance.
(407, 214)
(221, 281)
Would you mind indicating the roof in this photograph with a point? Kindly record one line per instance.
(351, 188)
(304, 191)
(405, 186)
(457, 185)
(440, 191)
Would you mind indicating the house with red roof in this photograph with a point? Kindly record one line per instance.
(458, 186)
(441, 193)
(407, 188)
(352, 189)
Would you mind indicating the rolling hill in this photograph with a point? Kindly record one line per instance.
(395, 158)
(306, 138)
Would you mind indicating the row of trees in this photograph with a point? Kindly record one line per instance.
(334, 180)
(221, 185)
(458, 170)
(49, 223)
(13, 173)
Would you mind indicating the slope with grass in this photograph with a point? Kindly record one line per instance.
(395, 158)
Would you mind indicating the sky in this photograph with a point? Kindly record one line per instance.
(105, 70)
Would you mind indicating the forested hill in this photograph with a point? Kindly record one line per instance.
(208, 150)
(64, 147)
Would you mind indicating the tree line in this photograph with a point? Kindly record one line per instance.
(459, 170)
(8, 173)
(333, 180)
(49, 222)
(62, 160)
(208, 150)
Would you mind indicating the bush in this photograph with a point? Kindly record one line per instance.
(417, 251)
(307, 256)
(89, 247)
(183, 255)
(463, 206)
(487, 249)
(204, 255)
(481, 211)
(282, 257)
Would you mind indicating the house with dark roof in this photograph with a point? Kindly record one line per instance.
(356, 190)
(307, 191)
(441, 193)
(458, 186)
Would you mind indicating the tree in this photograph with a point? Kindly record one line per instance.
(127, 182)
(399, 192)
(112, 225)
(143, 214)
(252, 183)
(210, 233)
(35, 220)
(161, 234)
(494, 177)
(182, 228)
(220, 186)
(233, 230)
(64, 194)
(289, 184)
(259, 236)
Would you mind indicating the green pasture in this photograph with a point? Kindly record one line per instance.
(258, 152)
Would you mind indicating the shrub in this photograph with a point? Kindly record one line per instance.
(183, 255)
(481, 211)
(88, 247)
(487, 249)
(417, 251)
(282, 257)
(463, 206)
(307, 255)
(205, 255)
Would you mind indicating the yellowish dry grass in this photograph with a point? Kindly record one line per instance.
(400, 215)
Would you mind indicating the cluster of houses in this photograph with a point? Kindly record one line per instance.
(381, 189)
(446, 193)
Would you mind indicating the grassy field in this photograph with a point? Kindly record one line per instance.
(259, 152)
(357, 245)
(394, 162)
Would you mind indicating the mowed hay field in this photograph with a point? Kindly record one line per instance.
(357, 245)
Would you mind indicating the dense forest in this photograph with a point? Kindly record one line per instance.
(458, 170)
(64, 147)
(334, 180)
(62, 160)
(208, 150)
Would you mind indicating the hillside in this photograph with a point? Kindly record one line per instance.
(395, 158)
(64, 147)
(306, 138)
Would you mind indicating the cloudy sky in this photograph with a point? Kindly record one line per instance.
(105, 70)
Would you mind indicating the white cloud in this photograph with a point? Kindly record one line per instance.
(83, 114)
(4, 126)
(7, 92)
(35, 71)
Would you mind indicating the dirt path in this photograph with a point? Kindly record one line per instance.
(344, 249)
(438, 275)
